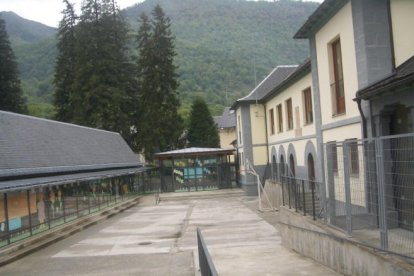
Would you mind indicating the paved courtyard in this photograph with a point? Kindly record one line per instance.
(161, 240)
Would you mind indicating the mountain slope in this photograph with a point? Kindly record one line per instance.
(223, 46)
(21, 30)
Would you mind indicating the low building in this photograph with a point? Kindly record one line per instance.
(53, 172)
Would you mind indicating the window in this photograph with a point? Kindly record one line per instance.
(307, 105)
(239, 128)
(337, 85)
(333, 156)
(279, 118)
(353, 156)
(272, 121)
(289, 114)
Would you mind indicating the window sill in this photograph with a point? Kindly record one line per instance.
(338, 115)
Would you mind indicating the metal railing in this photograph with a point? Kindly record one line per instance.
(302, 195)
(207, 267)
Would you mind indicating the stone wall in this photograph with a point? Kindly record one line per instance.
(332, 248)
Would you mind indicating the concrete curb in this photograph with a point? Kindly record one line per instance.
(27, 246)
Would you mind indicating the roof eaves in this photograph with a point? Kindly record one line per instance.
(301, 71)
(319, 17)
(402, 75)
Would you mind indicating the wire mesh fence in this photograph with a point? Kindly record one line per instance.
(370, 190)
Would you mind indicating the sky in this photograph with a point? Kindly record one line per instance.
(48, 12)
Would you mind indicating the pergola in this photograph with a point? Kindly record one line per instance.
(195, 169)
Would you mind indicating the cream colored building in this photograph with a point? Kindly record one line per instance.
(251, 118)
(358, 49)
(226, 125)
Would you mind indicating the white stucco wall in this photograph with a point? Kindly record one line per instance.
(402, 16)
(339, 26)
(295, 92)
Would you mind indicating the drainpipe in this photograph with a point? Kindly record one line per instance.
(267, 139)
(364, 120)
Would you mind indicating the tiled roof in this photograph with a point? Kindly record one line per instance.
(277, 76)
(33, 146)
(319, 17)
(299, 72)
(227, 120)
(403, 74)
(27, 183)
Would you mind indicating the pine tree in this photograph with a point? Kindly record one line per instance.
(160, 124)
(202, 131)
(103, 71)
(11, 94)
(65, 65)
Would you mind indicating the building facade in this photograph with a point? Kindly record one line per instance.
(360, 78)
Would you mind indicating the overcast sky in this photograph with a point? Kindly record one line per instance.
(48, 11)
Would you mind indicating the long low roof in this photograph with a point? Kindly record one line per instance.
(194, 152)
(31, 146)
(27, 183)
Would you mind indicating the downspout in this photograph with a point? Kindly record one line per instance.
(364, 120)
(267, 145)
(267, 138)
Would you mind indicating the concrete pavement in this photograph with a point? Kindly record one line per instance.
(161, 240)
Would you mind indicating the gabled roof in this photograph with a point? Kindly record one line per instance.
(319, 17)
(31, 146)
(227, 120)
(277, 76)
(402, 75)
(301, 70)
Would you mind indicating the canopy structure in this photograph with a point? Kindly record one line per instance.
(196, 169)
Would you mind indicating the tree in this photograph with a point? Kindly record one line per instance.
(103, 71)
(202, 131)
(11, 95)
(65, 65)
(160, 124)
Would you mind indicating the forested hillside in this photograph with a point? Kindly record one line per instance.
(223, 47)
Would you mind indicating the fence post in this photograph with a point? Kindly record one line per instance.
(296, 194)
(283, 193)
(347, 187)
(382, 208)
(330, 182)
(30, 212)
(289, 194)
(313, 201)
(303, 196)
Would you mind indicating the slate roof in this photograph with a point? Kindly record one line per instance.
(402, 75)
(227, 120)
(299, 72)
(194, 151)
(27, 183)
(319, 17)
(31, 146)
(277, 76)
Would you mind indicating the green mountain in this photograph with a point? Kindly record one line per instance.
(223, 47)
(34, 46)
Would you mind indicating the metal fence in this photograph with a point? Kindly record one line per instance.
(207, 267)
(302, 195)
(370, 190)
(30, 211)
